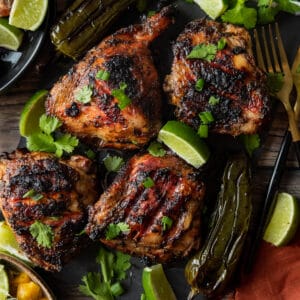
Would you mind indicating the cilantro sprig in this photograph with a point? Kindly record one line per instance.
(113, 163)
(120, 95)
(156, 149)
(46, 140)
(43, 234)
(106, 284)
(34, 195)
(114, 230)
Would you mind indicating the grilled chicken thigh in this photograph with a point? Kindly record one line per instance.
(5, 7)
(42, 197)
(160, 199)
(234, 88)
(124, 108)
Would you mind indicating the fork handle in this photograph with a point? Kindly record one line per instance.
(297, 150)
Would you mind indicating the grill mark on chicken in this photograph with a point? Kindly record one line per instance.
(126, 56)
(177, 192)
(232, 77)
(67, 187)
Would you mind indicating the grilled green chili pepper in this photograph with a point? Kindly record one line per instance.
(210, 270)
(84, 23)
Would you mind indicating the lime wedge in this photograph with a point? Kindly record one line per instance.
(9, 244)
(4, 286)
(10, 37)
(213, 8)
(185, 142)
(28, 14)
(156, 285)
(284, 220)
(30, 115)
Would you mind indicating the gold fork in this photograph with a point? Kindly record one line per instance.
(296, 79)
(278, 64)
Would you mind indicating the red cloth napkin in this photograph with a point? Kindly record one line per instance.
(276, 274)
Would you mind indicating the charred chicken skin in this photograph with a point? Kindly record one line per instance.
(64, 189)
(148, 192)
(234, 88)
(123, 109)
(5, 7)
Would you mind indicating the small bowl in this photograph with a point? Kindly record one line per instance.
(22, 267)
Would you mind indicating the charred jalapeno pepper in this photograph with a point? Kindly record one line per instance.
(210, 270)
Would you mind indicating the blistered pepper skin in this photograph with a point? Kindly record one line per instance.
(210, 270)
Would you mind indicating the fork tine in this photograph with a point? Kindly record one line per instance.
(283, 57)
(259, 55)
(275, 56)
(267, 53)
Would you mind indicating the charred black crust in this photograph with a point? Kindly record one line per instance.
(73, 110)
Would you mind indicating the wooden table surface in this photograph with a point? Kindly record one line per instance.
(12, 102)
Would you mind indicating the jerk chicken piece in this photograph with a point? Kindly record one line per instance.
(235, 89)
(148, 193)
(5, 7)
(123, 109)
(41, 193)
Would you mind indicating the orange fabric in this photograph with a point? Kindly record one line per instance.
(276, 274)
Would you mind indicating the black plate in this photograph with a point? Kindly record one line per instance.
(64, 282)
(14, 63)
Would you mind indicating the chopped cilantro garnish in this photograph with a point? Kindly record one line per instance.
(221, 44)
(148, 183)
(203, 130)
(206, 117)
(251, 142)
(203, 51)
(114, 230)
(33, 195)
(213, 100)
(199, 84)
(156, 149)
(84, 95)
(123, 99)
(103, 75)
(43, 234)
(49, 124)
(151, 13)
(90, 154)
(166, 223)
(113, 163)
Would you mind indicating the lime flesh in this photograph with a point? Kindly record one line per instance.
(185, 142)
(10, 37)
(33, 109)
(8, 242)
(4, 285)
(213, 8)
(156, 285)
(28, 14)
(284, 220)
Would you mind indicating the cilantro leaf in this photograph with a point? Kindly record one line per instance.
(49, 124)
(148, 183)
(251, 142)
(166, 222)
(221, 44)
(43, 234)
(123, 99)
(65, 142)
(113, 163)
(156, 149)
(84, 95)
(114, 230)
(103, 75)
(203, 51)
(121, 265)
(40, 142)
(289, 6)
(240, 14)
(213, 100)
(33, 195)
(199, 85)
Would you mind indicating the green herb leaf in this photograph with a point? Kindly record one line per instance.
(148, 183)
(221, 44)
(90, 154)
(213, 100)
(33, 195)
(275, 82)
(49, 124)
(103, 75)
(203, 130)
(206, 117)
(156, 149)
(151, 13)
(240, 14)
(113, 163)
(199, 85)
(122, 264)
(43, 234)
(203, 51)
(65, 142)
(119, 94)
(40, 142)
(251, 142)
(166, 223)
(84, 95)
(114, 230)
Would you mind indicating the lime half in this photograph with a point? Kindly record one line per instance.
(156, 285)
(8, 242)
(4, 285)
(10, 37)
(213, 8)
(28, 14)
(284, 220)
(30, 115)
(185, 142)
